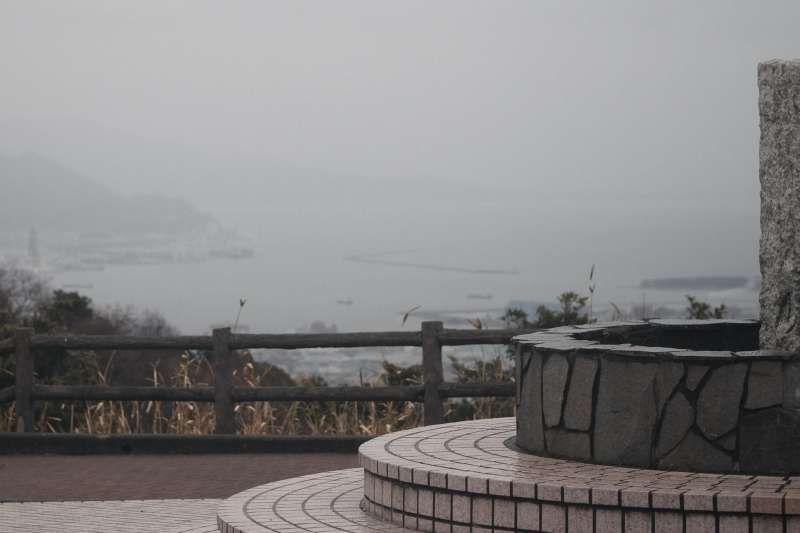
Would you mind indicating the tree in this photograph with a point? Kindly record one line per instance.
(26, 300)
(21, 292)
(703, 310)
(570, 312)
(63, 312)
(516, 318)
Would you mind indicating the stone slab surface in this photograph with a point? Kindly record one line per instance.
(626, 392)
(531, 429)
(583, 398)
(134, 516)
(718, 404)
(779, 174)
(728, 339)
(554, 381)
(678, 418)
(578, 409)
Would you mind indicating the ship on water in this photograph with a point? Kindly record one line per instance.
(480, 296)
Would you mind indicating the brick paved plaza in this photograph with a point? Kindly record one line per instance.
(140, 477)
(452, 478)
(160, 492)
(130, 516)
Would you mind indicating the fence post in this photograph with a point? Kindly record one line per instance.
(517, 375)
(434, 376)
(223, 374)
(23, 379)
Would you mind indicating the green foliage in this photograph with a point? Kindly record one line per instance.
(64, 311)
(570, 312)
(516, 318)
(398, 375)
(703, 310)
(572, 305)
(27, 301)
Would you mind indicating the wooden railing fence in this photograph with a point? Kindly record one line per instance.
(431, 338)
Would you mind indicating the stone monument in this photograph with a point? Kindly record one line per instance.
(779, 173)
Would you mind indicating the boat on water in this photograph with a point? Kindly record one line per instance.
(480, 296)
(345, 301)
(74, 286)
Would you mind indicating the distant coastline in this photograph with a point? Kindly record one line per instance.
(378, 259)
(699, 283)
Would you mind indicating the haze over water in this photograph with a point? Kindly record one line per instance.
(298, 277)
(539, 138)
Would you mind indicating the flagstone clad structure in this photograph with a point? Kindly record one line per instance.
(779, 173)
(705, 396)
(691, 395)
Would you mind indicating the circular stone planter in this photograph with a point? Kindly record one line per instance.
(669, 394)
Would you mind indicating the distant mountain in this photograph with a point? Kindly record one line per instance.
(36, 192)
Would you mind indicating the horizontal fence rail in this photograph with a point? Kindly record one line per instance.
(408, 393)
(447, 337)
(431, 337)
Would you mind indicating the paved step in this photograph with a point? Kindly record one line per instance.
(466, 476)
(327, 502)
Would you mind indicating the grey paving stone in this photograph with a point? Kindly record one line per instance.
(695, 453)
(695, 373)
(578, 410)
(728, 442)
(531, 423)
(791, 385)
(718, 402)
(554, 381)
(764, 385)
(572, 444)
(668, 376)
(678, 418)
(769, 441)
(625, 413)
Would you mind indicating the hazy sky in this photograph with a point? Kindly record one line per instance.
(610, 110)
(597, 95)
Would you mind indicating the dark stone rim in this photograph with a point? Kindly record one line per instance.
(584, 338)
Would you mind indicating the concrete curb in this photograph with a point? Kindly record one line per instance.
(71, 444)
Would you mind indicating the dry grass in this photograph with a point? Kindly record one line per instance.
(255, 418)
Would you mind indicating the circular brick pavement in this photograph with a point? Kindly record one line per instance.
(465, 475)
(461, 478)
(320, 502)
